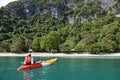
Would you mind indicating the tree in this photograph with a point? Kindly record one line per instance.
(36, 44)
(50, 42)
(118, 39)
(18, 45)
(5, 46)
(65, 47)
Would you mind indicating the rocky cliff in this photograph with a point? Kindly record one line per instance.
(80, 10)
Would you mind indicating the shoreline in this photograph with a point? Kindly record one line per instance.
(58, 55)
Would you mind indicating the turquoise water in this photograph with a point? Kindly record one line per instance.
(64, 69)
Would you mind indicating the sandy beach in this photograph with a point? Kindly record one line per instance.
(55, 55)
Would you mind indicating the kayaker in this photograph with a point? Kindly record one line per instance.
(27, 60)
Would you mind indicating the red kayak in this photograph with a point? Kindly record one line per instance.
(32, 66)
(38, 64)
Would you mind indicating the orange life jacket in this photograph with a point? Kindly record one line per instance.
(28, 59)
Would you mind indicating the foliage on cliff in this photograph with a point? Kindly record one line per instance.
(60, 26)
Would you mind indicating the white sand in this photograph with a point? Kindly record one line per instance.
(56, 55)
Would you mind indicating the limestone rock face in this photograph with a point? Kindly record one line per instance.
(67, 8)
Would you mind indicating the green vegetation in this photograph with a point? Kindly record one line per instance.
(43, 26)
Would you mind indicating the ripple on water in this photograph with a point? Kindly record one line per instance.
(1, 69)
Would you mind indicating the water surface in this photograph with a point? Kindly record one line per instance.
(74, 68)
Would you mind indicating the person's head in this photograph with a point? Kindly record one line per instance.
(29, 54)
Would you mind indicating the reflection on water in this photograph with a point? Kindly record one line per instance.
(27, 74)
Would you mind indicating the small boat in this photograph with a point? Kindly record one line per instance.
(38, 64)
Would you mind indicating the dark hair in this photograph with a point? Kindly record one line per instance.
(29, 55)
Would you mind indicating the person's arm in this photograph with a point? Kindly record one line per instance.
(25, 61)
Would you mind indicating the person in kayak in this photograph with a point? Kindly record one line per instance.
(27, 60)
